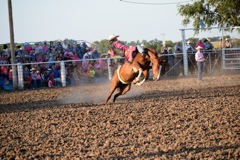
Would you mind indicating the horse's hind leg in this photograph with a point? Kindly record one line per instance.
(123, 90)
(114, 85)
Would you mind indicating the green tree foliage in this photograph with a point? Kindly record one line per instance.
(223, 13)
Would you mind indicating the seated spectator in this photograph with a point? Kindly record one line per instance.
(4, 70)
(65, 44)
(20, 52)
(51, 45)
(34, 78)
(88, 53)
(56, 76)
(27, 82)
(91, 74)
(39, 80)
(85, 63)
(44, 78)
(75, 55)
(26, 72)
(68, 53)
(38, 48)
(59, 46)
(10, 77)
(44, 47)
(50, 80)
(27, 47)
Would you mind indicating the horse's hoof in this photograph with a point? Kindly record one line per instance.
(138, 84)
(135, 81)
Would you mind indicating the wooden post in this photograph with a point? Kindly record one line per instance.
(12, 46)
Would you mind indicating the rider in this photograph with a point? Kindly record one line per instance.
(120, 48)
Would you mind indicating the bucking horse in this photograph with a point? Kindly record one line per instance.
(129, 73)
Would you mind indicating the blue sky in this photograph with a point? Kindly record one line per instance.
(91, 20)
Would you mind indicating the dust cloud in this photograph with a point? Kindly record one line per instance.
(96, 93)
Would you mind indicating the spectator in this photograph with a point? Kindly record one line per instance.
(91, 74)
(228, 44)
(220, 45)
(45, 47)
(34, 78)
(178, 47)
(208, 45)
(39, 80)
(56, 76)
(59, 46)
(27, 47)
(189, 47)
(20, 52)
(79, 51)
(75, 55)
(95, 54)
(84, 47)
(200, 43)
(27, 82)
(39, 56)
(4, 70)
(200, 62)
(68, 53)
(32, 55)
(38, 48)
(164, 47)
(10, 77)
(26, 72)
(65, 44)
(88, 53)
(7, 52)
(85, 63)
(51, 46)
(50, 80)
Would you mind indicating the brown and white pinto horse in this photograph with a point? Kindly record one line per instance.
(131, 72)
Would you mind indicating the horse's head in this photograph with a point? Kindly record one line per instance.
(155, 63)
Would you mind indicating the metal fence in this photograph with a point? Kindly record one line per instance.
(216, 62)
(231, 58)
(175, 66)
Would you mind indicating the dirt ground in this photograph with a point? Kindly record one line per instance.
(168, 119)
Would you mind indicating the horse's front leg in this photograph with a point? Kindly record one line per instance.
(140, 71)
(145, 73)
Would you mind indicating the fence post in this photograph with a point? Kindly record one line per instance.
(63, 73)
(109, 69)
(20, 76)
(185, 56)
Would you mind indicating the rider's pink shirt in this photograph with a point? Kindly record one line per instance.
(119, 45)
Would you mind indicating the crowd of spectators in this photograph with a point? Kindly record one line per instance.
(42, 63)
(172, 55)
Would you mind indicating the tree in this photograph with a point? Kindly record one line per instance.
(207, 13)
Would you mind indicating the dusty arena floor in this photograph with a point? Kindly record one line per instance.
(168, 119)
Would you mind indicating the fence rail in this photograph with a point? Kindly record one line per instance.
(216, 61)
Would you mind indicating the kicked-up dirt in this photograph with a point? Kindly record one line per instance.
(168, 119)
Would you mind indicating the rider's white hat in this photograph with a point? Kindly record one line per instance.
(113, 36)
